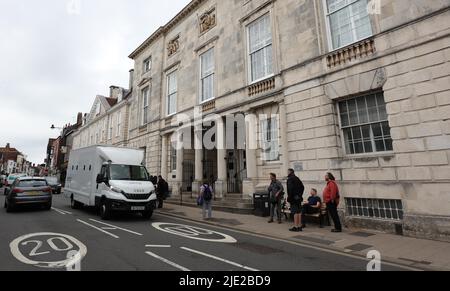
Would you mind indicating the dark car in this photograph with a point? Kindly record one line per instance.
(28, 191)
(54, 183)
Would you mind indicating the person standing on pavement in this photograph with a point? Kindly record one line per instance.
(276, 196)
(331, 198)
(162, 189)
(206, 197)
(295, 190)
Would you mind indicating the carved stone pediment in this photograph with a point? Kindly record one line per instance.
(207, 21)
(173, 46)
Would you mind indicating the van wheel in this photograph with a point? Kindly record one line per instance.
(105, 210)
(147, 214)
(9, 207)
(48, 206)
(75, 204)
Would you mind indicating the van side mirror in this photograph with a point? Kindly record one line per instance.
(100, 179)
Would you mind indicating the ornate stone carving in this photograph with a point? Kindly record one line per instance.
(355, 51)
(261, 87)
(211, 105)
(207, 21)
(173, 46)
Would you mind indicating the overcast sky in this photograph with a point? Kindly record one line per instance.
(57, 55)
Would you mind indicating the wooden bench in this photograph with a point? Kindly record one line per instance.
(322, 215)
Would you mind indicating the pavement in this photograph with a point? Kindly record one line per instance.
(416, 253)
(37, 240)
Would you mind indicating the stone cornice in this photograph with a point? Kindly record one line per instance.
(163, 30)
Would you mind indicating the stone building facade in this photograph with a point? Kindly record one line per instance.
(358, 88)
(107, 121)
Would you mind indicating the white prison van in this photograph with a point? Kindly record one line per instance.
(111, 179)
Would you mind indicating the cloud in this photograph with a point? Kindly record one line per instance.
(54, 60)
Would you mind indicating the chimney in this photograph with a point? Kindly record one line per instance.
(113, 92)
(8, 146)
(131, 79)
(79, 118)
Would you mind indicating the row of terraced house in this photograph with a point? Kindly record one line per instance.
(358, 88)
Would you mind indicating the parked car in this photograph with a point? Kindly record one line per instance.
(54, 183)
(2, 180)
(11, 179)
(28, 191)
(111, 179)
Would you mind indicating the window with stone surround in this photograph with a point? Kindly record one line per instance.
(97, 109)
(145, 93)
(260, 49)
(104, 126)
(364, 124)
(110, 131)
(147, 66)
(270, 139)
(172, 91)
(173, 157)
(119, 124)
(207, 67)
(348, 22)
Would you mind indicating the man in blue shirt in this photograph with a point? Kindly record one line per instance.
(313, 206)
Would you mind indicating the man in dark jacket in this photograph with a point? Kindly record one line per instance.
(161, 191)
(295, 189)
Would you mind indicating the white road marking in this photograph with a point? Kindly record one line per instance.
(62, 212)
(97, 228)
(32, 257)
(300, 244)
(116, 227)
(220, 259)
(175, 265)
(158, 246)
(193, 232)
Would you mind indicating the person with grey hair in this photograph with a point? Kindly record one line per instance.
(276, 196)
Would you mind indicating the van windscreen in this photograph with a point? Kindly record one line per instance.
(128, 173)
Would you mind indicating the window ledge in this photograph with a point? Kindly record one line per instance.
(352, 52)
(261, 86)
(143, 128)
(208, 105)
(272, 163)
(371, 155)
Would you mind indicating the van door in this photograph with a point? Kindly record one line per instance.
(102, 187)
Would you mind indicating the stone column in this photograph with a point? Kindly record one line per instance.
(251, 145)
(164, 156)
(198, 146)
(283, 139)
(179, 171)
(221, 183)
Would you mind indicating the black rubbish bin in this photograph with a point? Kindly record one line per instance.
(261, 204)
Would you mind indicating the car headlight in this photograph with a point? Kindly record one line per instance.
(117, 190)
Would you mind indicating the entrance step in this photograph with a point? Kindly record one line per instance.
(240, 206)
